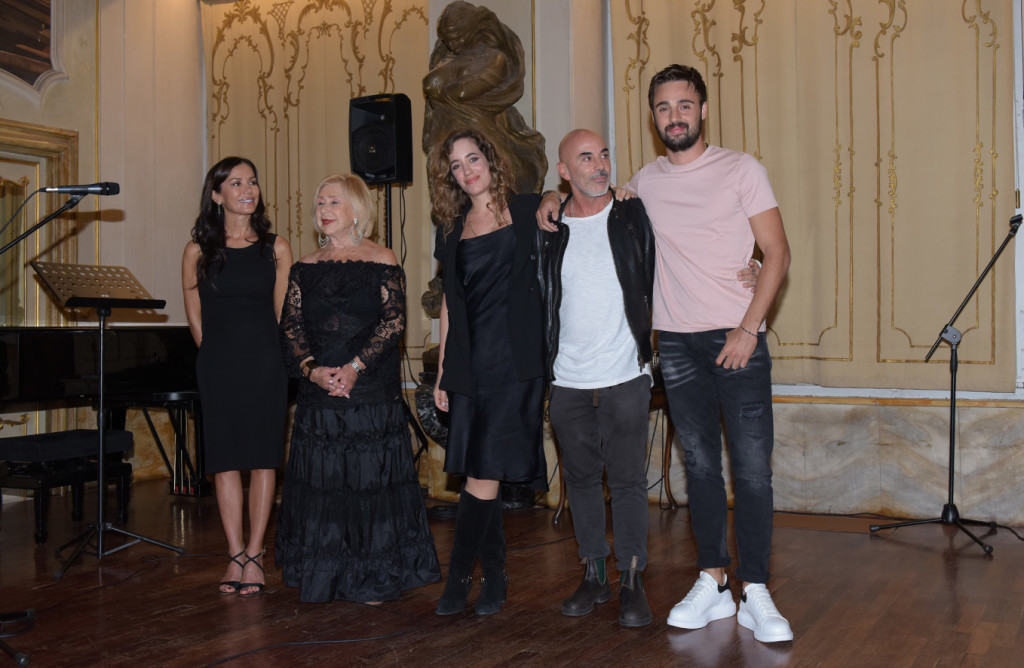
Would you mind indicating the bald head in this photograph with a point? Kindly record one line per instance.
(566, 147)
(583, 161)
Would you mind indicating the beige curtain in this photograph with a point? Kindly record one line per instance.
(886, 127)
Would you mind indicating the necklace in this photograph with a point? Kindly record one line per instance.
(498, 224)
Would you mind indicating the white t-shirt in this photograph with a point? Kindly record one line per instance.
(595, 345)
(701, 214)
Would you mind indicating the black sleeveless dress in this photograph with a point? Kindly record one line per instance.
(495, 434)
(243, 389)
(352, 525)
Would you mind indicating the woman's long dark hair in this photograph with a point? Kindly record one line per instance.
(208, 231)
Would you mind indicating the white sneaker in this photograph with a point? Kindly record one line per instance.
(759, 614)
(706, 602)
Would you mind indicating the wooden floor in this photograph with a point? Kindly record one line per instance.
(919, 596)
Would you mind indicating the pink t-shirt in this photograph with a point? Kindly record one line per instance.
(701, 217)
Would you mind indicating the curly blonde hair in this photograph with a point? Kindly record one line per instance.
(447, 199)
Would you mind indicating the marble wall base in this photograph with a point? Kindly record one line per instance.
(893, 460)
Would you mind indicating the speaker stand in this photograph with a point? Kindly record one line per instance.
(409, 416)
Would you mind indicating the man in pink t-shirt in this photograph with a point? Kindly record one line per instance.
(708, 207)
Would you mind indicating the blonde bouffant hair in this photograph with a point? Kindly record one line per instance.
(358, 195)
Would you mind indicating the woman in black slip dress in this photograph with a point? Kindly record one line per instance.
(234, 273)
(491, 371)
(352, 524)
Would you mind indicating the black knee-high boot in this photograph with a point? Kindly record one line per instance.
(494, 582)
(471, 522)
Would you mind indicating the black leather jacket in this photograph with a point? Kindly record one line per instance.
(632, 243)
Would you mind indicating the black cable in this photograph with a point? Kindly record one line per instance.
(26, 617)
(308, 643)
(659, 422)
(98, 587)
(18, 210)
(405, 365)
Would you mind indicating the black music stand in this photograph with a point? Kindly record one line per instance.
(952, 336)
(102, 288)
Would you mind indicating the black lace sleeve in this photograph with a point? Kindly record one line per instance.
(294, 344)
(385, 334)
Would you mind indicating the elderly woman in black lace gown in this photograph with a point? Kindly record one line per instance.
(352, 524)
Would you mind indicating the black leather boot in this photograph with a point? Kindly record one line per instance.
(471, 522)
(494, 583)
(633, 608)
(594, 588)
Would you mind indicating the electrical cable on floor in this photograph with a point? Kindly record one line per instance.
(10, 621)
(308, 643)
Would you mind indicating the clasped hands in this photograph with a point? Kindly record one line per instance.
(336, 380)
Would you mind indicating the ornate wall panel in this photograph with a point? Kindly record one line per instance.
(41, 156)
(280, 76)
(886, 129)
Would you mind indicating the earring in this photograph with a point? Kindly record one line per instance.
(322, 239)
(356, 233)
(220, 210)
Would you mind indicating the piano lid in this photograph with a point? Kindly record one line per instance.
(60, 364)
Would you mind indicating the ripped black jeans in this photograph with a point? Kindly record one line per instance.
(702, 396)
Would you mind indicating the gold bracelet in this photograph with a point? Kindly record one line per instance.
(308, 366)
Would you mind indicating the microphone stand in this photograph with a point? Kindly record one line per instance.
(73, 201)
(952, 336)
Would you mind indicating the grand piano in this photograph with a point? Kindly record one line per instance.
(144, 367)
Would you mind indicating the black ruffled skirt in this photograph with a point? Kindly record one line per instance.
(352, 524)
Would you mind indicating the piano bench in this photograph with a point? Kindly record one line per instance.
(40, 462)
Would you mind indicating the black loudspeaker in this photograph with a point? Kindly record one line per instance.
(380, 138)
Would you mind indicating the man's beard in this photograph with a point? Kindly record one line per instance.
(681, 142)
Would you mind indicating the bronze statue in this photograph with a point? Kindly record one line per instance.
(476, 75)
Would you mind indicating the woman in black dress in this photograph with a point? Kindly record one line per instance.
(352, 525)
(234, 273)
(491, 370)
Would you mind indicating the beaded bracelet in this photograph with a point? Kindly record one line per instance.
(748, 331)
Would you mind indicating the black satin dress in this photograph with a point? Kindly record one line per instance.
(352, 524)
(497, 433)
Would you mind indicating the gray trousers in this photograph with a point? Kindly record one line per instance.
(598, 430)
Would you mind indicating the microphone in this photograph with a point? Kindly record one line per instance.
(105, 188)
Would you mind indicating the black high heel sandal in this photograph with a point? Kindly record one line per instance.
(246, 585)
(234, 584)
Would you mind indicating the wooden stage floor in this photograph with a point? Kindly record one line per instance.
(919, 596)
